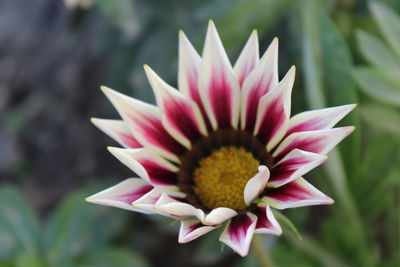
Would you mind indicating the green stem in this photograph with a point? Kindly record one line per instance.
(261, 254)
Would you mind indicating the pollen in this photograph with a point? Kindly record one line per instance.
(220, 179)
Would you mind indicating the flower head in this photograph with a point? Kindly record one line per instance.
(222, 148)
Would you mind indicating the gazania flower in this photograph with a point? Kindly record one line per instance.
(222, 149)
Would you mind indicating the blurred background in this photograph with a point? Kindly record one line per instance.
(55, 54)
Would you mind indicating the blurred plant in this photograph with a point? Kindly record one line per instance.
(74, 235)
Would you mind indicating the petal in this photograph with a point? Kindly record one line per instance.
(218, 216)
(318, 119)
(219, 88)
(117, 130)
(145, 124)
(298, 193)
(189, 65)
(256, 185)
(147, 202)
(266, 222)
(192, 229)
(248, 58)
(239, 233)
(122, 195)
(320, 142)
(274, 111)
(176, 208)
(180, 115)
(294, 165)
(262, 80)
(148, 165)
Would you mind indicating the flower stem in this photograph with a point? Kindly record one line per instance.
(261, 254)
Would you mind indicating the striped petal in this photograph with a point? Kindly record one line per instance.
(148, 165)
(192, 229)
(262, 80)
(320, 142)
(239, 233)
(248, 58)
(318, 119)
(188, 74)
(219, 88)
(181, 116)
(274, 112)
(117, 130)
(298, 193)
(145, 124)
(256, 185)
(122, 195)
(294, 165)
(266, 222)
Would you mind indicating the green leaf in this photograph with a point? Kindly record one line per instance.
(109, 257)
(19, 228)
(388, 22)
(286, 223)
(377, 52)
(379, 85)
(382, 118)
(327, 73)
(78, 227)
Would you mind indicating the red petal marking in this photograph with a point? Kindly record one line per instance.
(273, 119)
(136, 194)
(312, 144)
(195, 96)
(181, 116)
(311, 125)
(262, 219)
(238, 227)
(285, 169)
(158, 174)
(259, 89)
(194, 227)
(246, 71)
(220, 95)
(289, 192)
(129, 140)
(152, 129)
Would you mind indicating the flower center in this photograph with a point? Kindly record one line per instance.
(220, 178)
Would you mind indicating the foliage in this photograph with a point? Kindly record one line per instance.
(74, 235)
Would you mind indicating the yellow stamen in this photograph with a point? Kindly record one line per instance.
(220, 178)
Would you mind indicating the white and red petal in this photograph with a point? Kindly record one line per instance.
(298, 193)
(239, 233)
(262, 80)
(148, 165)
(219, 88)
(295, 164)
(266, 222)
(321, 141)
(188, 74)
(144, 121)
(256, 185)
(117, 130)
(177, 209)
(248, 58)
(317, 119)
(192, 229)
(181, 116)
(123, 194)
(274, 112)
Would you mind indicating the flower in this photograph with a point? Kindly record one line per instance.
(222, 148)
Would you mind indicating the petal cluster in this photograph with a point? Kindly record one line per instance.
(213, 95)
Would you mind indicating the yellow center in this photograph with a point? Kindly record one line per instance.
(220, 178)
